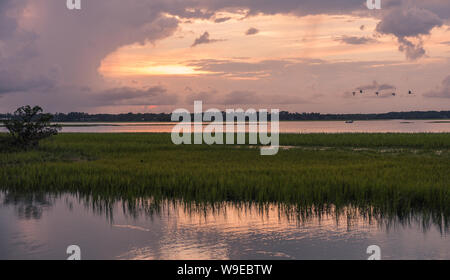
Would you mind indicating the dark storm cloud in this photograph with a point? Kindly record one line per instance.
(297, 7)
(194, 13)
(7, 24)
(17, 49)
(70, 53)
(9, 10)
(13, 81)
(64, 48)
(409, 22)
(313, 7)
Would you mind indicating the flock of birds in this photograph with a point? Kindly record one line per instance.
(378, 93)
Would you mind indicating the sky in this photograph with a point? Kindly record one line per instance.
(152, 56)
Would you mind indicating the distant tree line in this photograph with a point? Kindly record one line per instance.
(284, 116)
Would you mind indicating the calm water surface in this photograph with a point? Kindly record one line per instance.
(43, 226)
(413, 126)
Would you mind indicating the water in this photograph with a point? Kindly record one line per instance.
(382, 126)
(43, 226)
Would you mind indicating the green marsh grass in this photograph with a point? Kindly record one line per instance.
(386, 175)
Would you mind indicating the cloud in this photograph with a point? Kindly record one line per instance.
(409, 22)
(185, 11)
(204, 39)
(39, 54)
(209, 96)
(252, 31)
(411, 50)
(248, 97)
(13, 81)
(239, 69)
(442, 92)
(156, 95)
(17, 51)
(386, 87)
(223, 19)
(67, 47)
(296, 7)
(241, 97)
(8, 24)
(353, 40)
(375, 87)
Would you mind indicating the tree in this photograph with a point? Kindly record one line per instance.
(29, 125)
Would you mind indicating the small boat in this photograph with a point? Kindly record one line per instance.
(351, 121)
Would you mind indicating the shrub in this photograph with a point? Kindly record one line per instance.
(30, 125)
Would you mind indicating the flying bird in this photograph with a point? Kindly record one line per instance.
(410, 92)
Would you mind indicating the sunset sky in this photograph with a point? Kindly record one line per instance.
(118, 56)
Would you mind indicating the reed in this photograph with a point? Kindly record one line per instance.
(388, 174)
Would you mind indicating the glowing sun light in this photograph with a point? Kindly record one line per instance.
(169, 70)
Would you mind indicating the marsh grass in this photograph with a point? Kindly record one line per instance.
(410, 183)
